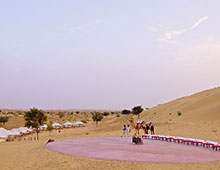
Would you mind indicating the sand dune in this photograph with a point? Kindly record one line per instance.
(200, 107)
(200, 118)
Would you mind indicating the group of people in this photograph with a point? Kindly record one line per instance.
(126, 131)
(146, 126)
(149, 126)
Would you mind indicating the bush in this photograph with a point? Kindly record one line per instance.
(84, 121)
(4, 119)
(179, 113)
(126, 112)
(77, 112)
(105, 113)
(61, 115)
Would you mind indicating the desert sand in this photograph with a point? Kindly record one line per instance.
(200, 118)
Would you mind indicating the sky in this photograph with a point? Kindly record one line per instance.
(106, 54)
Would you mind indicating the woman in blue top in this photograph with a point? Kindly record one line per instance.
(123, 130)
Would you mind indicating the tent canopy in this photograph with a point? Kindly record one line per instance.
(15, 131)
(5, 133)
(67, 124)
(56, 125)
(24, 130)
(78, 123)
(43, 127)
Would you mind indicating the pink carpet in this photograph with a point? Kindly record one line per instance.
(122, 149)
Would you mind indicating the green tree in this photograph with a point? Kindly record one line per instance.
(34, 118)
(97, 117)
(137, 110)
(3, 119)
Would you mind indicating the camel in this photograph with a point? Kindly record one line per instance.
(137, 127)
(144, 126)
(148, 126)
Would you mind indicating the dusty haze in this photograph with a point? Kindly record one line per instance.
(106, 55)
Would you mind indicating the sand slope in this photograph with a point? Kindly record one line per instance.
(200, 107)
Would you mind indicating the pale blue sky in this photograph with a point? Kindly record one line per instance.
(106, 54)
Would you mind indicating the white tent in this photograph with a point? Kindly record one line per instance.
(24, 130)
(15, 131)
(21, 130)
(43, 127)
(56, 125)
(67, 124)
(4, 134)
(78, 123)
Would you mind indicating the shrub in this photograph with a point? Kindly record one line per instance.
(3, 119)
(179, 113)
(126, 112)
(106, 113)
(61, 115)
(84, 121)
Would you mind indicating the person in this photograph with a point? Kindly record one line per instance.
(128, 130)
(147, 128)
(136, 139)
(151, 128)
(123, 130)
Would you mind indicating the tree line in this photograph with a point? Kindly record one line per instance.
(136, 110)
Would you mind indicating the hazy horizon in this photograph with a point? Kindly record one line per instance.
(106, 55)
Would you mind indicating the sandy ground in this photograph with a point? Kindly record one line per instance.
(118, 148)
(33, 154)
(200, 119)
